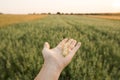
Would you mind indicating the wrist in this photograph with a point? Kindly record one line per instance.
(49, 72)
(53, 68)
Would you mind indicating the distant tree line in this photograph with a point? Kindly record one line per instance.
(58, 13)
(61, 13)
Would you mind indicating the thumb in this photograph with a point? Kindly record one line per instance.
(46, 45)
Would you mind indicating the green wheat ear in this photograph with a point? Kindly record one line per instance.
(65, 50)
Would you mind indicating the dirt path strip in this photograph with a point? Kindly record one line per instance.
(11, 19)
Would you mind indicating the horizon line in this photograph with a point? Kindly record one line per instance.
(65, 13)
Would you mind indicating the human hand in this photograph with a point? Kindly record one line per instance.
(54, 61)
(54, 57)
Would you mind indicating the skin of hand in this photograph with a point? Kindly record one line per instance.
(54, 61)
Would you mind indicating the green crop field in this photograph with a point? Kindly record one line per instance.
(97, 59)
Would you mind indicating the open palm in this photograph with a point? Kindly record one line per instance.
(55, 56)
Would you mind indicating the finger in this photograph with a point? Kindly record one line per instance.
(62, 42)
(46, 45)
(74, 50)
(69, 42)
(66, 47)
(72, 45)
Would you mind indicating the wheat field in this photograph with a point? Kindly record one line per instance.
(97, 59)
(12, 19)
